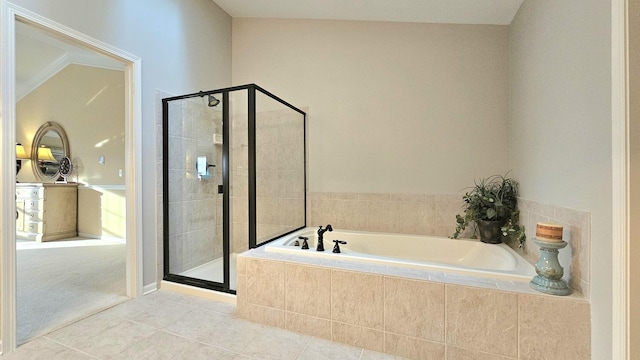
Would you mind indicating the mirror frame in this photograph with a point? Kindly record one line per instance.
(37, 138)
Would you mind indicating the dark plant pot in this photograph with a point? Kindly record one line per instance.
(489, 230)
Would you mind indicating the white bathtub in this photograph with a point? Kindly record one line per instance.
(469, 257)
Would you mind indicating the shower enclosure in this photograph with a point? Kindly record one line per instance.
(234, 176)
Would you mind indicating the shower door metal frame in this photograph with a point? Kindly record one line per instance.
(252, 163)
(252, 241)
(207, 284)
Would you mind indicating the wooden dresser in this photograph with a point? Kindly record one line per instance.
(46, 211)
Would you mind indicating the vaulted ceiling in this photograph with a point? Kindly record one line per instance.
(39, 56)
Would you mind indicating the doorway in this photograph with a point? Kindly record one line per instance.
(131, 171)
(71, 235)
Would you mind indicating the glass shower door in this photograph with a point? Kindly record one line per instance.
(194, 184)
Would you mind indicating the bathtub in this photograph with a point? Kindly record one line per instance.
(468, 257)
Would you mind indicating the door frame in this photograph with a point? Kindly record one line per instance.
(9, 14)
(620, 311)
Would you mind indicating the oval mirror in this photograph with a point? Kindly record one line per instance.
(50, 144)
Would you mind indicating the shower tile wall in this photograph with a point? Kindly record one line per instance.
(239, 175)
(434, 215)
(279, 175)
(195, 207)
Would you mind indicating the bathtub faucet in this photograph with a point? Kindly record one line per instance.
(321, 232)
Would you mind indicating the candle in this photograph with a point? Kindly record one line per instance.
(549, 232)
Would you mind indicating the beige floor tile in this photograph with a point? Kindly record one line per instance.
(200, 351)
(320, 349)
(45, 349)
(158, 346)
(195, 323)
(231, 334)
(83, 330)
(276, 344)
(161, 315)
(199, 333)
(116, 339)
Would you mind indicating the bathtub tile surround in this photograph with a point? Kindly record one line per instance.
(412, 348)
(577, 232)
(539, 329)
(308, 297)
(379, 308)
(365, 291)
(357, 336)
(404, 315)
(425, 214)
(266, 283)
(483, 320)
(454, 353)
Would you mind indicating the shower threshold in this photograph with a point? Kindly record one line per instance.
(213, 271)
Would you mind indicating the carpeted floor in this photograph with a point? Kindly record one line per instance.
(61, 282)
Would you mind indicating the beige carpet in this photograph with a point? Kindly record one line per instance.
(60, 282)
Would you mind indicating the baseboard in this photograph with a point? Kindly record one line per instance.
(101, 237)
(148, 289)
(194, 291)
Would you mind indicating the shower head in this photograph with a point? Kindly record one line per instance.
(213, 101)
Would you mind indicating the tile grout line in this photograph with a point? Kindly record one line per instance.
(518, 325)
(67, 346)
(384, 315)
(331, 304)
(444, 338)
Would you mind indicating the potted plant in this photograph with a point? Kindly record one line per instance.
(491, 205)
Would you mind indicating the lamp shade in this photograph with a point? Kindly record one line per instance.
(44, 154)
(20, 152)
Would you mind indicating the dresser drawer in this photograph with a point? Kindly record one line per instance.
(33, 204)
(33, 227)
(33, 215)
(30, 193)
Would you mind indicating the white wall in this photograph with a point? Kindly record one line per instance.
(393, 107)
(560, 132)
(185, 46)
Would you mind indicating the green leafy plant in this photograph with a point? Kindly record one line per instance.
(492, 198)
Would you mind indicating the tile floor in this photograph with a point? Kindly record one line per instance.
(168, 325)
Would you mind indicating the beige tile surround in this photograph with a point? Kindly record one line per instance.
(415, 319)
(434, 215)
(416, 314)
(575, 258)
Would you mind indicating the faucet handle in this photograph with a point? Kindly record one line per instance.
(304, 242)
(336, 247)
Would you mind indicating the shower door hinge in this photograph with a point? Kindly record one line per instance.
(220, 189)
